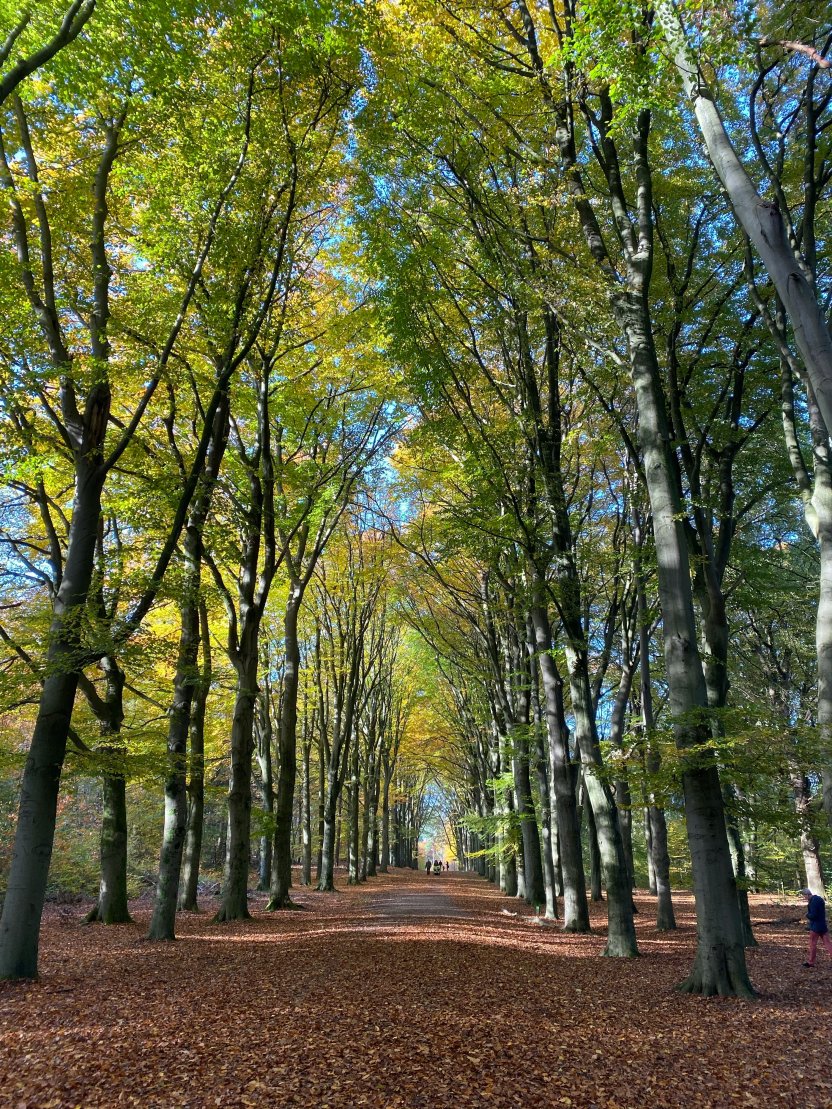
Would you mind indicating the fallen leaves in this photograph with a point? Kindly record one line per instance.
(399, 995)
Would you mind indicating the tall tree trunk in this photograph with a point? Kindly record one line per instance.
(575, 910)
(656, 825)
(306, 817)
(111, 906)
(385, 820)
(264, 761)
(321, 801)
(192, 858)
(234, 897)
(353, 836)
(279, 897)
(163, 921)
(762, 221)
(595, 893)
(809, 846)
(534, 891)
(720, 958)
(37, 807)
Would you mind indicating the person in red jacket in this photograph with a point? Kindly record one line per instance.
(818, 930)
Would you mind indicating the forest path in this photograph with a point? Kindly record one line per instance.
(426, 897)
(407, 992)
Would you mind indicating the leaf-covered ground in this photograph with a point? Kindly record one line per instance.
(408, 991)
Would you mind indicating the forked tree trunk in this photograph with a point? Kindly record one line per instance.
(163, 921)
(575, 909)
(719, 967)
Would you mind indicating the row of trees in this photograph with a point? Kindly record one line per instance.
(327, 322)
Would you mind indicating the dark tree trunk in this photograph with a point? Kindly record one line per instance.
(37, 807)
(192, 858)
(279, 897)
(234, 899)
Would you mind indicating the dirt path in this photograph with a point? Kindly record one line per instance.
(407, 992)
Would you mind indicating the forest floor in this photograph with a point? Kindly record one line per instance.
(409, 991)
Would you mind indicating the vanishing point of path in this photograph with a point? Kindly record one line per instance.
(409, 991)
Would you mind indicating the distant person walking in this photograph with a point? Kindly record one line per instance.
(428, 865)
(818, 930)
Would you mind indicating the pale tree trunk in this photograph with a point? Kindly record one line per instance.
(385, 817)
(111, 906)
(761, 220)
(264, 761)
(543, 787)
(306, 816)
(534, 891)
(648, 843)
(621, 935)
(809, 847)
(658, 856)
(353, 836)
(163, 921)
(575, 909)
(719, 966)
(321, 801)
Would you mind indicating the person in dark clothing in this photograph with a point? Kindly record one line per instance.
(428, 866)
(818, 930)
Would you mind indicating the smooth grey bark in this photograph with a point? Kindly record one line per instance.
(621, 936)
(192, 852)
(720, 965)
(534, 891)
(186, 678)
(542, 775)
(816, 496)
(264, 735)
(387, 776)
(354, 832)
(549, 879)
(809, 847)
(306, 814)
(111, 904)
(761, 220)
(575, 909)
(648, 843)
(281, 883)
(321, 799)
(656, 824)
